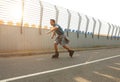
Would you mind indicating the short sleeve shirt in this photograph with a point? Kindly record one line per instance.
(59, 31)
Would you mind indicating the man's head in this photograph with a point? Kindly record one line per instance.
(52, 22)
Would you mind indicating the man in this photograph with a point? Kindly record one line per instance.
(60, 39)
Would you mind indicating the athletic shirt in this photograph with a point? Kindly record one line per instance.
(59, 31)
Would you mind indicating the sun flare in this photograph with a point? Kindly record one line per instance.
(16, 12)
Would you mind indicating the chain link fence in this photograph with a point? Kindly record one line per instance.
(36, 14)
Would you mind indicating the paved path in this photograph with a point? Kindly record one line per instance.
(86, 66)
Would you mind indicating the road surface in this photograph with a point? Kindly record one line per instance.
(86, 66)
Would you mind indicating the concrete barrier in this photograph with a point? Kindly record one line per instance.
(11, 39)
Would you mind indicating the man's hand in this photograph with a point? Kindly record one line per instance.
(54, 34)
(48, 32)
(52, 37)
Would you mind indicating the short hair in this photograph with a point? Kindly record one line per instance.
(52, 20)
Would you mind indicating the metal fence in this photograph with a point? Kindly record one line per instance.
(34, 13)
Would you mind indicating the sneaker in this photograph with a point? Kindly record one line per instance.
(71, 52)
(56, 55)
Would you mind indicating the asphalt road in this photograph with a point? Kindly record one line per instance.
(86, 66)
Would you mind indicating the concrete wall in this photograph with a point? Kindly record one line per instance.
(12, 40)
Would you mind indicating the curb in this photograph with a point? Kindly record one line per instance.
(31, 53)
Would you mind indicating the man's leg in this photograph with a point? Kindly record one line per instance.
(56, 55)
(71, 52)
(56, 47)
(66, 47)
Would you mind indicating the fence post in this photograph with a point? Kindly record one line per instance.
(87, 24)
(100, 24)
(112, 31)
(93, 27)
(108, 30)
(22, 17)
(118, 33)
(57, 13)
(69, 19)
(79, 24)
(41, 16)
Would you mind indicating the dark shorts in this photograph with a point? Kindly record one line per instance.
(62, 40)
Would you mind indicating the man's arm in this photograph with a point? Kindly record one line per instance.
(53, 35)
(52, 30)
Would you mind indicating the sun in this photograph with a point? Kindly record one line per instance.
(16, 13)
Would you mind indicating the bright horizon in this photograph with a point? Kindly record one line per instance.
(105, 10)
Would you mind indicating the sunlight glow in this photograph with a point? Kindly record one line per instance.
(80, 79)
(16, 13)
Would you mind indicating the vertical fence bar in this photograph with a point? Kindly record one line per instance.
(112, 31)
(79, 24)
(94, 27)
(57, 13)
(87, 24)
(100, 24)
(69, 20)
(41, 17)
(22, 17)
(108, 30)
(118, 33)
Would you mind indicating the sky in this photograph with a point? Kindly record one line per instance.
(105, 10)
